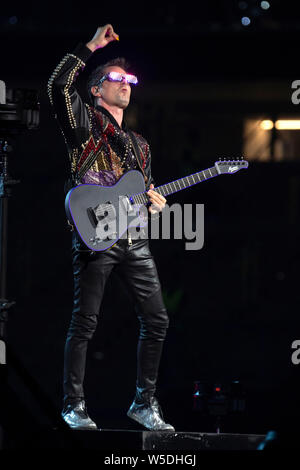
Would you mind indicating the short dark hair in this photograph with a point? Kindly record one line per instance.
(99, 71)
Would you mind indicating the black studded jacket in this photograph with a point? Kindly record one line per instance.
(100, 151)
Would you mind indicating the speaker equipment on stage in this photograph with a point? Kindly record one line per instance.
(219, 400)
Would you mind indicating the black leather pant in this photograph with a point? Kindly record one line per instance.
(137, 268)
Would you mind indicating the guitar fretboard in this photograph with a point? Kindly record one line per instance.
(177, 185)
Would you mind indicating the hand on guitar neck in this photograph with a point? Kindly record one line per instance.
(158, 202)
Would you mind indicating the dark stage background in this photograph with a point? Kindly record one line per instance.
(234, 304)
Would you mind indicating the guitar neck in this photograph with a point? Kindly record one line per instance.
(178, 185)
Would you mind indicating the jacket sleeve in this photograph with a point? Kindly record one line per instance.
(68, 107)
(147, 170)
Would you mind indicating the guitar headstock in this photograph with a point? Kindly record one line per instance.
(230, 166)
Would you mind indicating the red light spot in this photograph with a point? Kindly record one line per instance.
(217, 389)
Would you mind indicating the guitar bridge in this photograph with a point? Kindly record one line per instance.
(127, 204)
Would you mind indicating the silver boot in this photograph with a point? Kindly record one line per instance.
(149, 415)
(75, 415)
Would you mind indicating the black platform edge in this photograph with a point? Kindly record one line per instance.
(133, 440)
(200, 441)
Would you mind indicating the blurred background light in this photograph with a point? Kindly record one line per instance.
(287, 124)
(280, 124)
(245, 21)
(267, 124)
(265, 5)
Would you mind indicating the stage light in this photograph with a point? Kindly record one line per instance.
(266, 125)
(270, 442)
(265, 5)
(200, 396)
(287, 124)
(245, 21)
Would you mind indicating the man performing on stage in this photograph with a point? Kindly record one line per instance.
(101, 150)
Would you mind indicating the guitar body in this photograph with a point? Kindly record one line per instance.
(103, 214)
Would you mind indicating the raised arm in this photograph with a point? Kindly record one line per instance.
(68, 106)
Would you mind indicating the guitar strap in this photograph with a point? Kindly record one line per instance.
(136, 152)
